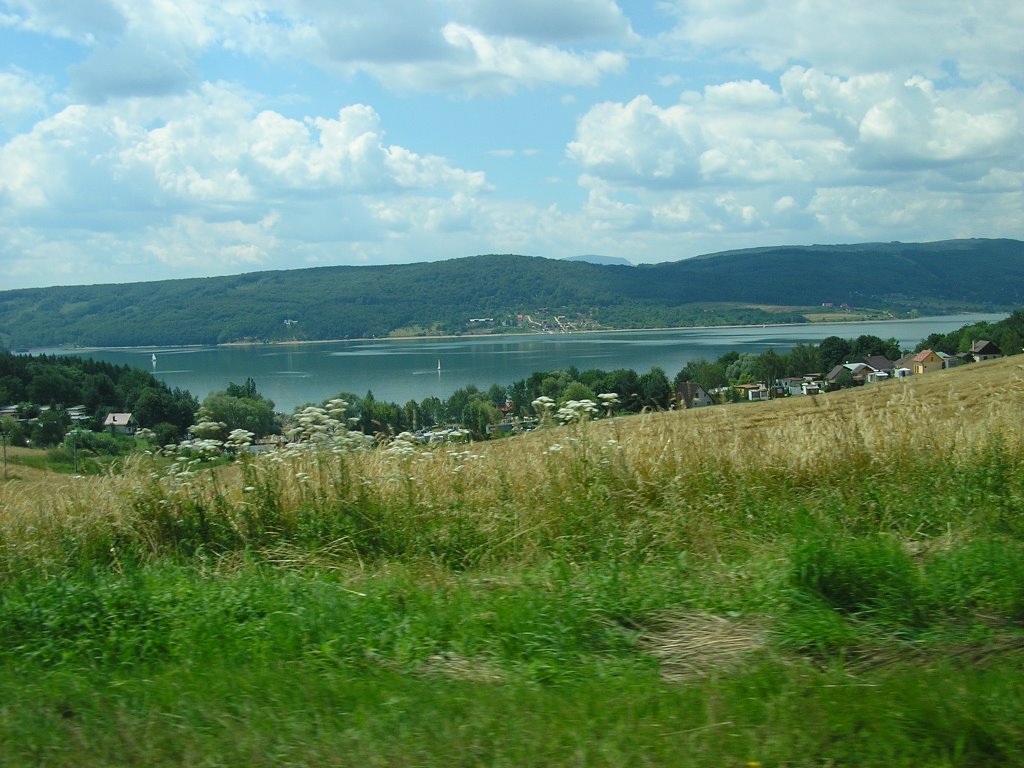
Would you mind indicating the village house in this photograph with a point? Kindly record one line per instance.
(692, 395)
(754, 392)
(880, 364)
(857, 371)
(120, 423)
(793, 385)
(925, 361)
(985, 350)
(950, 361)
(808, 384)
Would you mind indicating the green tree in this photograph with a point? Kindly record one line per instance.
(157, 405)
(431, 411)
(626, 384)
(50, 427)
(255, 415)
(833, 351)
(98, 390)
(804, 359)
(51, 384)
(577, 390)
(246, 390)
(655, 389)
(770, 367)
(477, 415)
(743, 369)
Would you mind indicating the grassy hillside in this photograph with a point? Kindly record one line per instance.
(441, 297)
(836, 580)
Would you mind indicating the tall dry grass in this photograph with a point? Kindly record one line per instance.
(914, 457)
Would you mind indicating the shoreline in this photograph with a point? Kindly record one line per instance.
(444, 337)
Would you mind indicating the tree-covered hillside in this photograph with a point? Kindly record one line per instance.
(509, 291)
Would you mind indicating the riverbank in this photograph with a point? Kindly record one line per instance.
(498, 335)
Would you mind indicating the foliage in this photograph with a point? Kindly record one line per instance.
(102, 387)
(1007, 334)
(240, 406)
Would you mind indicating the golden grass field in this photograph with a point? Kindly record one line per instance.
(512, 486)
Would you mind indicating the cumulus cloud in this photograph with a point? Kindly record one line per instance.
(84, 21)
(211, 148)
(21, 97)
(739, 132)
(131, 68)
(982, 37)
(146, 48)
(195, 177)
(541, 20)
(813, 134)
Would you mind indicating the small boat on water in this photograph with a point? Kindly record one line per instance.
(438, 366)
(154, 359)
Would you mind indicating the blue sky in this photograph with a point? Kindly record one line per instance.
(153, 139)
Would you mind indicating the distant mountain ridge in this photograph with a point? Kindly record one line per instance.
(488, 292)
(598, 259)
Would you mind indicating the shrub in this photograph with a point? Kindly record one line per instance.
(870, 577)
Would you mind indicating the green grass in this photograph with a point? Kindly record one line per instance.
(169, 666)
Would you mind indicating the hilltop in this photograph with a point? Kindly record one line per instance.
(522, 293)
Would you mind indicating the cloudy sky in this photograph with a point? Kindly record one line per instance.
(151, 139)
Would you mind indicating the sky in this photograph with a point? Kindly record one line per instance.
(154, 139)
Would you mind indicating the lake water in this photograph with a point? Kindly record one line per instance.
(407, 369)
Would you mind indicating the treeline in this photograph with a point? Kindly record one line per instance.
(474, 409)
(804, 359)
(1007, 334)
(60, 382)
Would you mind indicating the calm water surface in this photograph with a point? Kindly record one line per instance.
(402, 370)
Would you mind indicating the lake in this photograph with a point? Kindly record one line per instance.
(400, 370)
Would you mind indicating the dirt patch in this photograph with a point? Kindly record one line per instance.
(694, 645)
(456, 667)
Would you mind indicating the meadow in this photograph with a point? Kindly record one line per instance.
(818, 581)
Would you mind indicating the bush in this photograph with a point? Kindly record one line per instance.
(985, 576)
(869, 577)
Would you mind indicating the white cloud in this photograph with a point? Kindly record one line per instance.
(735, 133)
(81, 21)
(542, 20)
(982, 37)
(865, 153)
(639, 143)
(21, 97)
(131, 68)
(208, 148)
(187, 181)
(484, 63)
(817, 128)
(191, 242)
(150, 48)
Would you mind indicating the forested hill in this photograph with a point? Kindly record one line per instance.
(506, 291)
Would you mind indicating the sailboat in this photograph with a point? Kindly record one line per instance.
(439, 366)
(154, 359)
